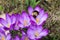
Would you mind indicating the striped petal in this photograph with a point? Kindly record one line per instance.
(8, 18)
(13, 19)
(30, 10)
(3, 22)
(37, 8)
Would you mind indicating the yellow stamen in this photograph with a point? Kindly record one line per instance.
(3, 38)
(26, 38)
(36, 34)
(37, 20)
(25, 22)
(8, 25)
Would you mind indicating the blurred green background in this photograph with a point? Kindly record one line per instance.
(51, 6)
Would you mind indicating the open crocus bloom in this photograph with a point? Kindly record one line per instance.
(16, 22)
(36, 32)
(8, 21)
(3, 35)
(24, 20)
(37, 15)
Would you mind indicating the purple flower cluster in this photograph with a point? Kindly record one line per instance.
(28, 24)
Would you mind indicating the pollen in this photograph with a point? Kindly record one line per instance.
(37, 20)
(36, 34)
(8, 25)
(3, 38)
(25, 22)
(26, 38)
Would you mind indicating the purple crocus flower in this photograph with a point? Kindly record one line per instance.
(10, 19)
(17, 24)
(3, 35)
(37, 15)
(36, 32)
(24, 20)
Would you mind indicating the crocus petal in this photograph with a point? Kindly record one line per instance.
(45, 16)
(8, 37)
(16, 28)
(39, 28)
(24, 19)
(2, 36)
(37, 8)
(8, 18)
(30, 34)
(21, 19)
(32, 18)
(2, 30)
(30, 10)
(1, 25)
(20, 25)
(17, 38)
(44, 33)
(23, 33)
(25, 38)
(41, 12)
(6, 32)
(38, 18)
(12, 27)
(25, 16)
(17, 17)
(13, 18)
(6, 28)
(3, 22)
